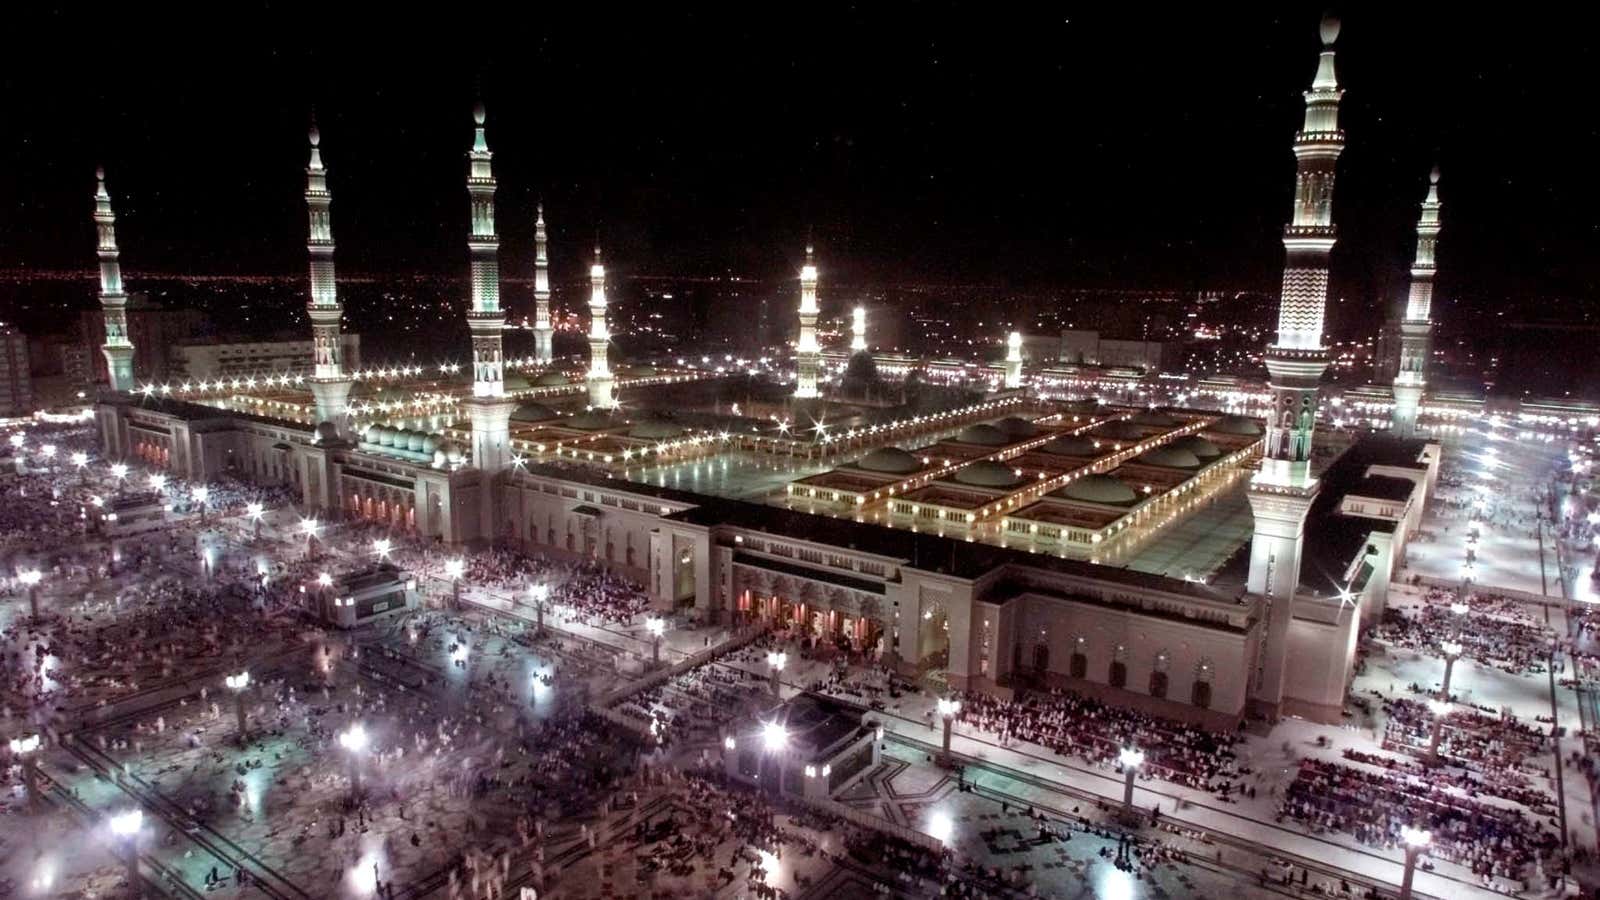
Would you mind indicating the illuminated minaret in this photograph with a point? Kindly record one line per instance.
(858, 329)
(542, 330)
(1416, 329)
(1014, 360)
(491, 411)
(113, 302)
(599, 376)
(329, 386)
(808, 354)
(1281, 492)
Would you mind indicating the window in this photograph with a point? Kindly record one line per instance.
(1158, 684)
(1119, 673)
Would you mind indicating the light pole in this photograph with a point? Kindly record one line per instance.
(381, 548)
(19, 458)
(81, 460)
(238, 684)
(657, 628)
(201, 493)
(119, 471)
(775, 739)
(455, 568)
(1452, 652)
(948, 708)
(309, 528)
(777, 661)
(126, 827)
(354, 739)
(26, 749)
(1416, 841)
(540, 594)
(1440, 710)
(1131, 760)
(254, 511)
(30, 579)
(158, 482)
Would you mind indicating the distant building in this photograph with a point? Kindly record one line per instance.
(191, 361)
(1386, 352)
(1041, 348)
(16, 386)
(1087, 347)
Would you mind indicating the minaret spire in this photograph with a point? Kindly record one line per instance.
(542, 329)
(1416, 330)
(601, 389)
(858, 329)
(329, 386)
(1013, 361)
(808, 353)
(113, 302)
(490, 410)
(1282, 491)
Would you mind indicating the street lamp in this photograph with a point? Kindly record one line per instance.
(30, 579)
(381, 548)
(25, 748)
(455, 568)
(255, 511)
(158, 481)
(1440, 710)
(540, 594)
(1416, 842)
(309, 528)
(1452, 652)
(1131, 759)
(777, 661)
(948, 708)
(354, 739)
(238, 683)
(119, 471)
(657, 628)
(126, 827)
(201, 494)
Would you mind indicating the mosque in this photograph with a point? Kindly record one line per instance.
(1169, 559)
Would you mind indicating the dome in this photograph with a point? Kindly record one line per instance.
(1155, 419)
(513, 382)
(593, 420)
(430, 443)
(655, 430)
(1080, 407)
(1197, 445)
(533, 412)
(551, 379)
(1017, 428)
(890, 461)
(439, 459)
(327, 432)
(1100, 489)
(1072, 445)
(1121, 431)
(637, 371)
(1240, 425)
(385, 436)
(987, 435)
(452, 452)
(987, 473)
(414, 441)
(1170, 457)
(370, 435)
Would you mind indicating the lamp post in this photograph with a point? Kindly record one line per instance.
(126, 827)
(1440, 710)
(255, 511)
(540, 594)
(775, 739)
(19, 458)
(776, 661)
(948, 708)
(324, 581)
(30, 579)
(201, 494)
(309, 528)
(81, 460)
(381, 548)
(657, 628)
(158, 482)
(455, 568)
(354, 739)
(1131, 760)
(238, 684)
(1452, 652)
(119, 471)
(1416, 841)
(26, 749)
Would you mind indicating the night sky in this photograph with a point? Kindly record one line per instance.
(924, 143)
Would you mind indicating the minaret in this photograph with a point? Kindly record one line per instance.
(808, 354)
(599, 377)
(1416, 329)
(1013, 360)
(113, 302)
(490, 410)
(542, 330)
(1281, 492)
(329, 386)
